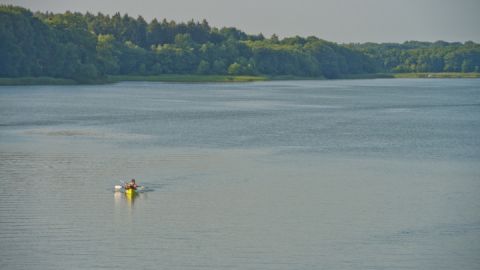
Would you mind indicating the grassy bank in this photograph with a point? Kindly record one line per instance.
(437, 75)
(366, 76)
(187, 78)
(122, 78)
(293, 78)
(221, 78)
(35, 81)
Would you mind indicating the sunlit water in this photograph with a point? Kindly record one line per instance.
(368, 174)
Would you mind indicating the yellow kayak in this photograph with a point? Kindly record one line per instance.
(130, 191)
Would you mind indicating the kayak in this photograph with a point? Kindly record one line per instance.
(130, 191)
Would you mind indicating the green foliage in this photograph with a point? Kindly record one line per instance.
(414, 56)
(203, 67)
(58, 46)
(88, 48)
(108, 52)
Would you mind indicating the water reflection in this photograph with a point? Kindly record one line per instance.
(122, 198)
(130, 197)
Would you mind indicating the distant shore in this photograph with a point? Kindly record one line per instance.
(35, 81)
(440, 75)
(221, 78)
(187, 78)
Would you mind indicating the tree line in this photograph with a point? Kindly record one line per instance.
(415, 56)
(88, 47)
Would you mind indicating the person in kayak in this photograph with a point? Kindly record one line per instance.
(131, 185)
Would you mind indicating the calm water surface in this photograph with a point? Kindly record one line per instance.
(359, 174)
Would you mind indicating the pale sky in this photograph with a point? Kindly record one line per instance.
(334, 20)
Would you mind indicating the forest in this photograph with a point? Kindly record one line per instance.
(90, 47)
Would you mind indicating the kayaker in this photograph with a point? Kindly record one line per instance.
(131, 185)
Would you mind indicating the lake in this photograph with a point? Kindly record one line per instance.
(346, 174)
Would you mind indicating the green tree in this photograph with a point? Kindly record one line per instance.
(107, 54)
(235, 69)
(219, 67)
(203, 67)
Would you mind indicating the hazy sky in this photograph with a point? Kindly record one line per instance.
(334, 20)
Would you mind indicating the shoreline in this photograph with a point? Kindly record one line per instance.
(438, 75)
(180, 78)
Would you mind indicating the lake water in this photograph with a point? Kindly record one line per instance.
(356, 174)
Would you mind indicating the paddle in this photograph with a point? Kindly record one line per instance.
(118, 187)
